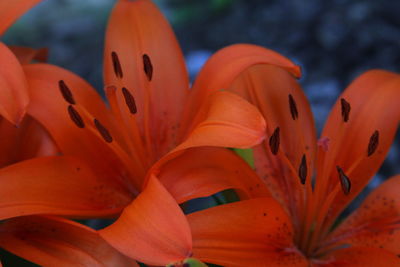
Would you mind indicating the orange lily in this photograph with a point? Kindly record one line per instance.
(352, 147)
(45, 240)
(108, 155)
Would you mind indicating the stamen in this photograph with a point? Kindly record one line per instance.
(129, 100)
(293, 108)
(274, 141)
(344, 181)
(116, 65)
(373, 143)
(75, 117)
(147, 66)
(103, 131)
(66, 92)
(345, 109)
(303, 169)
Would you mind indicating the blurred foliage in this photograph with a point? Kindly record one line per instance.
(181, 12)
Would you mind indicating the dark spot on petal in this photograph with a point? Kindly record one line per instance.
(129, 100)
(344, 181)
(293, 108)
(147, 67)
(345, 109)
(274, 141)
(103, 131)
(116, 65)
(303, 170)
(75, 117)
(66, 92)
(373, 143)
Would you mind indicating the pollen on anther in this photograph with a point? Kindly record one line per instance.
(103, 131)
(303, 169)
(373, 143)
(274, 141)
(345, 109)
(116, 65)
(147, 67)
(75, 117)
(66, 92)
(129, 100)
(344, 181)
(293, 108)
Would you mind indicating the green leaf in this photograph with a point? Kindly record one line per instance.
(247, 155)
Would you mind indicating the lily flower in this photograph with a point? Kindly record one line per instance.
(109, 153)
(352, 146)
(22, 139)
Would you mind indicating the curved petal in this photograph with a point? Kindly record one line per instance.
(359, 146)
(225, 65)
(10, 11)
(27, 141)
(152, 229)
(57, 185)
(52, 241)
(201, 172)
(156, 76)
(50, 108)
(376, 223)
(26, 55)
(225, 120)
(14, 90)
(361, 257)
(254, 232)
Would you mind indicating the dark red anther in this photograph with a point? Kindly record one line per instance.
(147, 66)
(75, 117)
(345, 109)
(303, 169)
(66, 92)
(274, 141)
(344, 181)
(129, 100)
(116, 65)
(293, 108)
(103, 131)
(373, 143)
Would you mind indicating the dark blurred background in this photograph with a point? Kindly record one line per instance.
(333, 41)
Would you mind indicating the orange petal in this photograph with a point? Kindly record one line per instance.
(27, 141)
(254, 232)
(225, 65)
(152, 229)
(284, 106)
(135, 29)
(26, 55)
(57, 185)
(52, 241)
(376, 223)
(14, 91)
(373, 98)
(361, 257)
(10, 11)
(201, 172)
(51, 110)
(225, 120)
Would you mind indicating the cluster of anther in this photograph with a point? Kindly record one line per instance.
(129, 99)
(76, 117)
(274, 143)
(148, 70)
